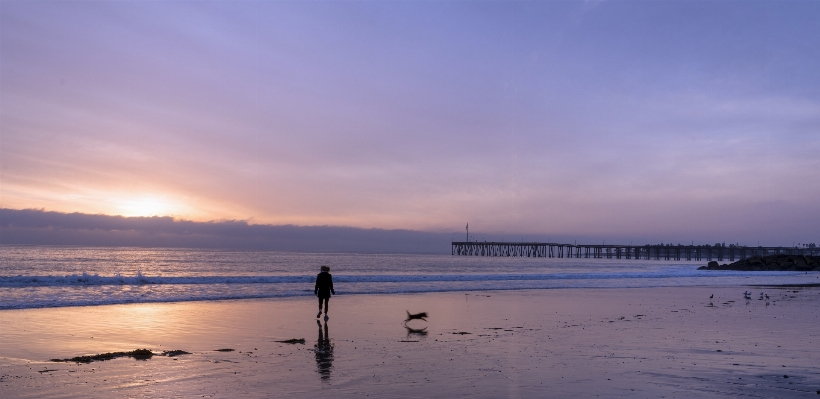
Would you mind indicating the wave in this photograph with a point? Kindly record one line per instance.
(140, 279)
(22, 292)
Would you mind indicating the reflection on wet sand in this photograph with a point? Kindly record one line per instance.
(416, 332)
(324, 352)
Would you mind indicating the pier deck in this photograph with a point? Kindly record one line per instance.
(657, 252)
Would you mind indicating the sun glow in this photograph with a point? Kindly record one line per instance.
(147, 206)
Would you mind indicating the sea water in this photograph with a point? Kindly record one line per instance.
(54, 276)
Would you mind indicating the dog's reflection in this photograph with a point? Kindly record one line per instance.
(324, 352)
(422, 332)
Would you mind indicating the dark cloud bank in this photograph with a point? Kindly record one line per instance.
(38, 227)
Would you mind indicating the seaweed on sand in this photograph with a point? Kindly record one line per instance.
(139, 354)
(175, 353)
(293, 341)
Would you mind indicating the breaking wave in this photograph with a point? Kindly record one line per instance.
(85, 279)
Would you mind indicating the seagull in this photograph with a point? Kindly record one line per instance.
(747, 295)
(711, 296)
(767, 297)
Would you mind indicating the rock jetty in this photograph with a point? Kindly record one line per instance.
(798, 263)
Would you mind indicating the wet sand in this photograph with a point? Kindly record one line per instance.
(648, 342)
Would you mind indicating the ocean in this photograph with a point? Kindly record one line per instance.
(57, 276)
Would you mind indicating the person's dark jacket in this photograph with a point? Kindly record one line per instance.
(324, 285)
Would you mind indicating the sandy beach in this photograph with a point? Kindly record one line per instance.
(646, 342)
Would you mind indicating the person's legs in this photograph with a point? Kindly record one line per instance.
(320, 307)
(327, 301)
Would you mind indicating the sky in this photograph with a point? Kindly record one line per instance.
(617, 120)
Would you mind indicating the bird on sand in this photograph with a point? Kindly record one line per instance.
(711, 296)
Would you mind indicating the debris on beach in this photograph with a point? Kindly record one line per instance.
(224, 350)
(293, 341)
(139, 354)
(175, 353)
(462, 332)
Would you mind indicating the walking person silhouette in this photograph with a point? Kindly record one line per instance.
(323, 289)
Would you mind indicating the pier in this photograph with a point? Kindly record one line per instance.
(656, 252)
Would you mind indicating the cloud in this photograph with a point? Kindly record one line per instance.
(39, 227)
(554, 118)
(648, 225)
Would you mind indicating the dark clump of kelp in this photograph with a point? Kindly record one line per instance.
(293, 341)
(138, 354)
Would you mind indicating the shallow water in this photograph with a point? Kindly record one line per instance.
(42, 276)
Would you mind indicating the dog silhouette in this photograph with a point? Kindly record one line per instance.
(417, 316)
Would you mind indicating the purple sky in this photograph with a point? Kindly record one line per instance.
(674, 121)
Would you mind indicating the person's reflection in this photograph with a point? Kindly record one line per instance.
(324, 352)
